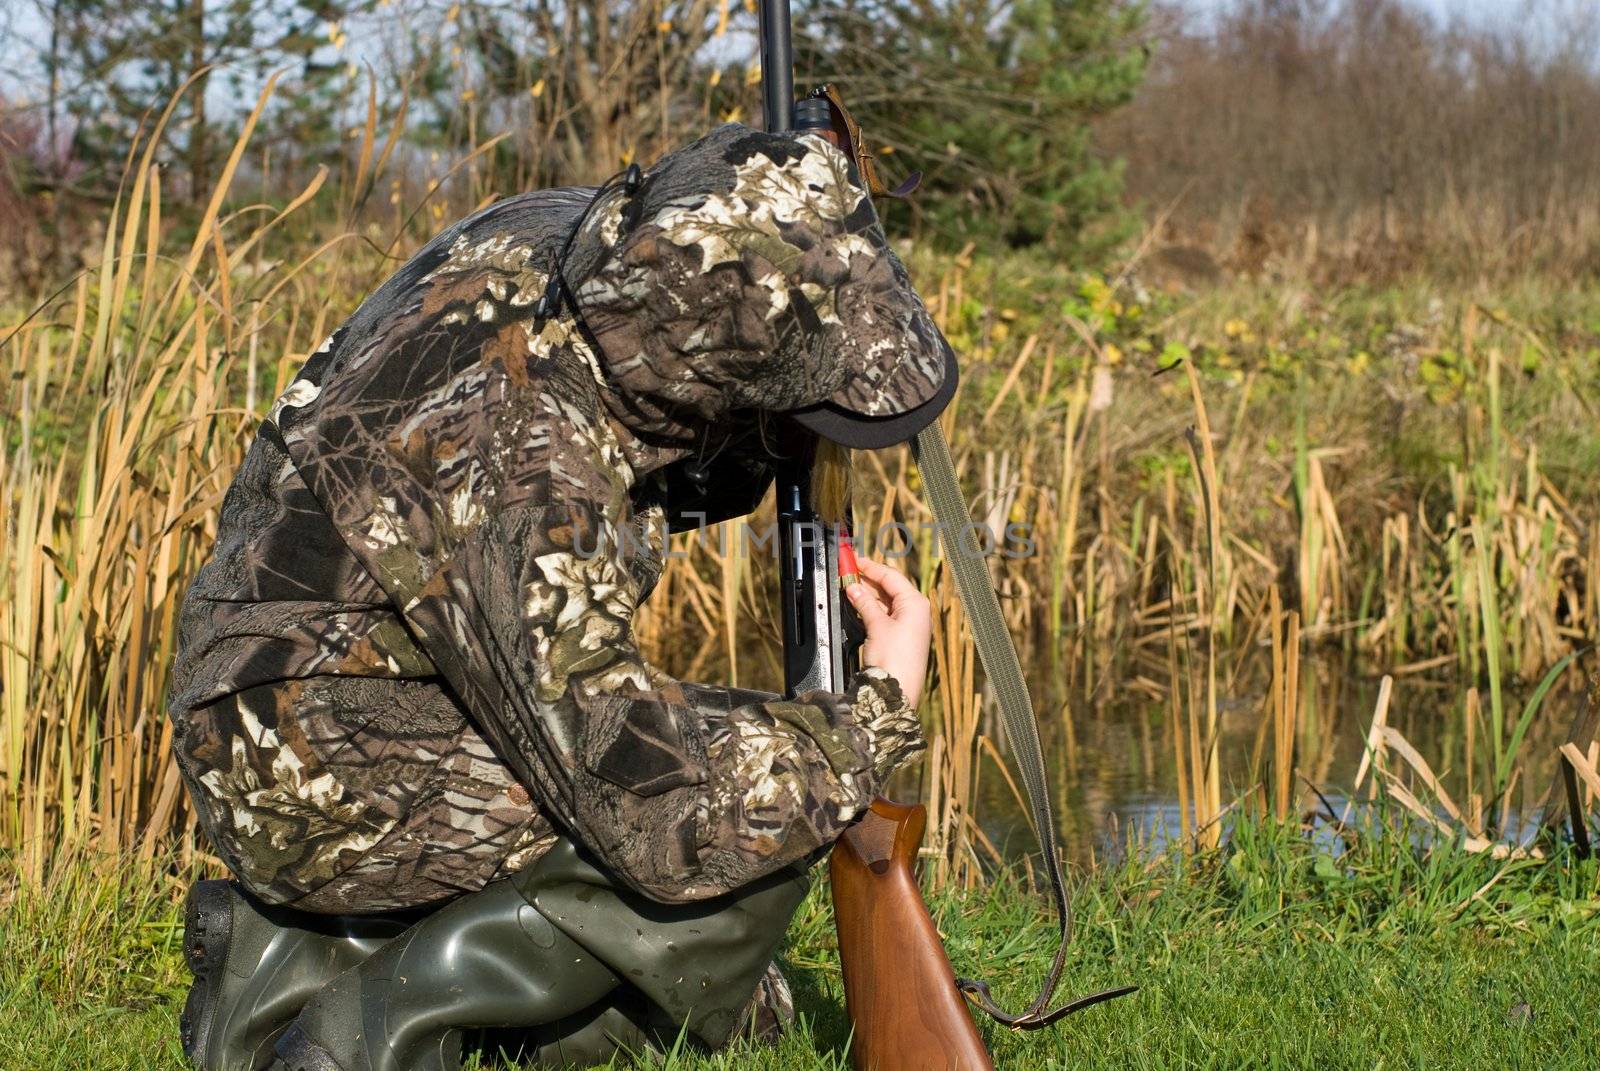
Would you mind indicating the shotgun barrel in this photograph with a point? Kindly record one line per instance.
(814, 656)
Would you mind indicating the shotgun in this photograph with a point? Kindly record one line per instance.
(900, 991)
(907, 1006)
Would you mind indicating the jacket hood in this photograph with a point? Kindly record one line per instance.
(750, 271)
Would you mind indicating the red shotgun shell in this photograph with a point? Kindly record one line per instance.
(849, 571)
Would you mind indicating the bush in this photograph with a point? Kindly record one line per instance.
(993, 102)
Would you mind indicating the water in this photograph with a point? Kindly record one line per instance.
(1112, 762)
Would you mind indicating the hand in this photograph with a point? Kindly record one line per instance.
(899, 625)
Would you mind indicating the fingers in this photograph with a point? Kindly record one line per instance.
(898, 622)
(895, 585)
(872, 609)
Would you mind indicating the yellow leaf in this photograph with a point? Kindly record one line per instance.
(453, 13)
(715, 79)
(664, 26)
(885, 150)
(537, 89)
(468, 94)
(1112, 353)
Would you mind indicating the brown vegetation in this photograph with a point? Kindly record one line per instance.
(1402, 488)
(1366, 139)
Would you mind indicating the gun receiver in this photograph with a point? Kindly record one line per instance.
(819, 651)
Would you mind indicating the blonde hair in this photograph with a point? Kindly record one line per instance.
(830, 481)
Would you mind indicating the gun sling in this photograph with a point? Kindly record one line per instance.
(1000, 664)
(995, 649)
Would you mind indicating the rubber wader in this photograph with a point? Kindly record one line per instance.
(561, 947)
(255, 966)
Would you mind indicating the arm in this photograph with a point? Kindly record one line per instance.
(685, 791)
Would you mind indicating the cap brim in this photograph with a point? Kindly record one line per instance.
(859, 432)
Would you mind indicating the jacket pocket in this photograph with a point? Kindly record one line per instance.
(639, 746)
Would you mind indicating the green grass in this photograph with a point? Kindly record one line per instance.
(1269, 953)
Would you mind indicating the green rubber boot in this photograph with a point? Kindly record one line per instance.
(255, 967)
(558, 947)
(486, 959)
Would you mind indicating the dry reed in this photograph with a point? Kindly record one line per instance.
(131, 396)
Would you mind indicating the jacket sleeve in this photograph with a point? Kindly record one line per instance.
(685, 791)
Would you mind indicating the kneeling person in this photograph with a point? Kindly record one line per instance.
(409, 705)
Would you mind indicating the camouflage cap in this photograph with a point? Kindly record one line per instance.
(750, 271)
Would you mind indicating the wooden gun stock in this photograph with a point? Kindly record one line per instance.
(899, 988)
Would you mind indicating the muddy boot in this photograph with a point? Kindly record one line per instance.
(255, 967)
(486, 959)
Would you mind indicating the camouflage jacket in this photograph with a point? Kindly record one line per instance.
(454, 487)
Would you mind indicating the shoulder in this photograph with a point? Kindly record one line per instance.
(499, 254)
(465, 296)
(443, 387)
